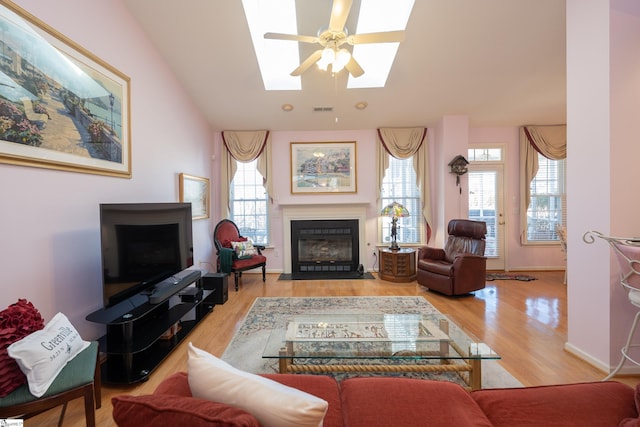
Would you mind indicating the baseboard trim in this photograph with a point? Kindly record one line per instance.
(570, 348)
(628, 369)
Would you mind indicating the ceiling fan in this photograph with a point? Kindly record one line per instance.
(333, 38)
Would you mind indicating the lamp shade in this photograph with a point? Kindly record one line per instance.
(394, 210)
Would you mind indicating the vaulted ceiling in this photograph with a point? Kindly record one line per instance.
(499, 62)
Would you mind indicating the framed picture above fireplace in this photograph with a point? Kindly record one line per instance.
(323, 167)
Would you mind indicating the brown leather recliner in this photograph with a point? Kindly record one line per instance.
(461, 266)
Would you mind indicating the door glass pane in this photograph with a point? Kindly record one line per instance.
(482, 206)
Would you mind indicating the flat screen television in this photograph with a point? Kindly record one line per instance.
(141, 245)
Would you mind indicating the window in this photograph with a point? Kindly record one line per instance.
(249, 203)
(399, 185)
(547, 206)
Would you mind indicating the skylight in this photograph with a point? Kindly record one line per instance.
(278, 58)
(376, 59)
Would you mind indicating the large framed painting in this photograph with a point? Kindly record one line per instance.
(60, 106)
(323, 167)
(195, 190)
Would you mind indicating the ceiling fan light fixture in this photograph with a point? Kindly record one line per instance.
(342, 57)
(328, 57)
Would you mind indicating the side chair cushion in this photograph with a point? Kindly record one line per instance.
(79, 372)
(248, 263)
(43, 354)
(16, 322)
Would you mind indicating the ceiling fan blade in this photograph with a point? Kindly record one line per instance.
(382, 37)
(354, 68)
(339, 14)
(311, 59)
(292, 37)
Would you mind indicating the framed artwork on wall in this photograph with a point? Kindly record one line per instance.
(195, 190)
(60, 106)
(323, 167)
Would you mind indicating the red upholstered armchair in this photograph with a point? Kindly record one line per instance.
(461, 266)
(235, 253)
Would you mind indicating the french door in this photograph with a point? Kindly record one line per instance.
(486, 204)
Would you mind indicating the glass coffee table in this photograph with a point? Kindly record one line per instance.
(334, 343)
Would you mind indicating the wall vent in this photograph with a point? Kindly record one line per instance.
(322, 109)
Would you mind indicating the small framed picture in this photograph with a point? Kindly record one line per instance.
(195, 190)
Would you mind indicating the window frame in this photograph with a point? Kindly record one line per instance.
(560, 196)
(415, 210)
(258, 183)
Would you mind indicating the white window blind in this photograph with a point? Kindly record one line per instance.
(547, 206)
(399, 185)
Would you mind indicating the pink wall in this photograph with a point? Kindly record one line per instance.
(602, 105)
(49, 250)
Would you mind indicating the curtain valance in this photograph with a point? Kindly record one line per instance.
(550, 141)
(244, 146)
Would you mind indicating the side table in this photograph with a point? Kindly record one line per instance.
(397, 266)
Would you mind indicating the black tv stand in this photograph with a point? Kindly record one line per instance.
(169, 286)
(141, 333)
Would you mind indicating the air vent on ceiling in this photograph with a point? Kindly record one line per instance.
(322, 109)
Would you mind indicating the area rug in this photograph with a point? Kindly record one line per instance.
(246, 347)
(502, 276)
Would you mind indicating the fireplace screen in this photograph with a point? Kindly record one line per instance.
(324, 246)
(324, 250)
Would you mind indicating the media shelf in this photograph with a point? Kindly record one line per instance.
(136, 341)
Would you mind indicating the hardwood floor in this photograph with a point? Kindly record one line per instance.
(524, 322)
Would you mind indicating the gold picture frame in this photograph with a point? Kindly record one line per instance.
(323, 167)
(60, 106)
(195, 190)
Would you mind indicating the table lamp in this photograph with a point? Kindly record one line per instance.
(394, 211)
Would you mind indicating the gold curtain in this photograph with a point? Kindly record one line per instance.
(403, 143)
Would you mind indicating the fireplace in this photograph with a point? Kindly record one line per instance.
(319, 247)
(323, 212)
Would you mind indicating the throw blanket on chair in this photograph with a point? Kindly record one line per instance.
(226, 259)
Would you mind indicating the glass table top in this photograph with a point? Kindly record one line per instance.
(377, 335)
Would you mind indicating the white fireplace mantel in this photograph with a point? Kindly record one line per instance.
(315, 211)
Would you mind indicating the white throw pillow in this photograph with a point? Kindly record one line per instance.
(244, 249)
(272, 403)
(42, 354)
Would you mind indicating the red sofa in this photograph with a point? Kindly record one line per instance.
(386, 401)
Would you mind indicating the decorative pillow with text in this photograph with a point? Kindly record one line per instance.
(42, 354)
